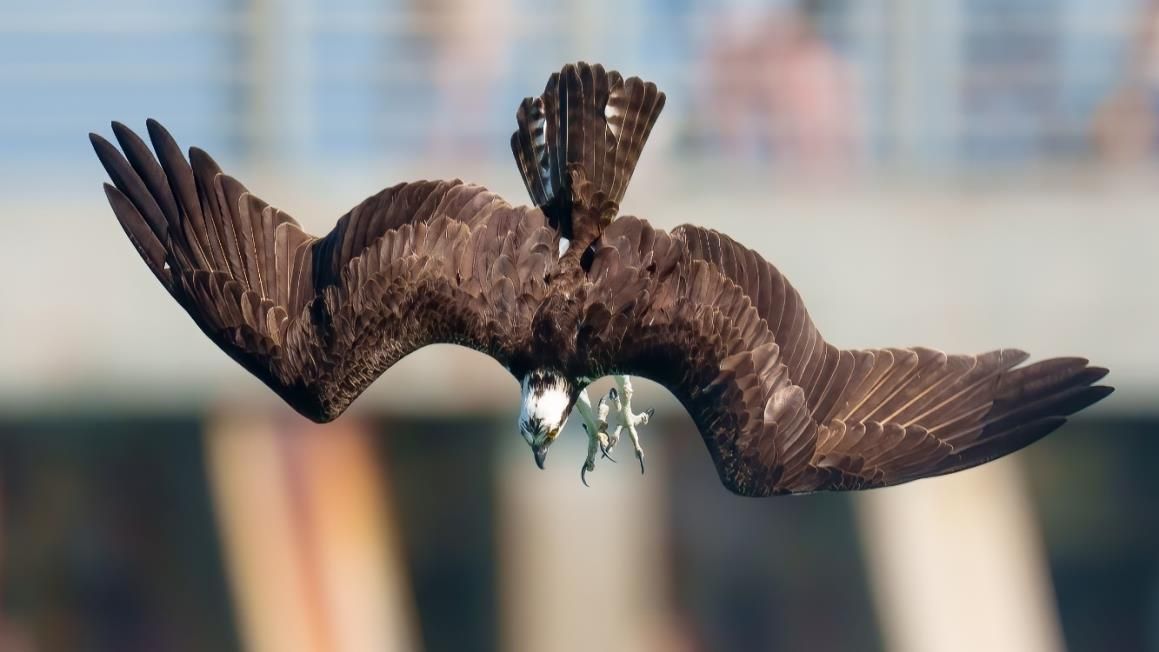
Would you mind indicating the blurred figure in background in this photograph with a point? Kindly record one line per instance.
(472, 41)
(1124, 125)
(775, 90)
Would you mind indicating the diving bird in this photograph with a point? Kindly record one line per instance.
(565, 292)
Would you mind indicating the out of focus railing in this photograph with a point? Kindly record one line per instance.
(894, 83)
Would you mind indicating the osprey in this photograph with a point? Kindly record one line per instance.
(564, 293)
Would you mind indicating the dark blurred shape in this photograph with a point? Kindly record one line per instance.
(109, 536)
(763, 574)
(110, 542)
(1096, 491)
(442, 472)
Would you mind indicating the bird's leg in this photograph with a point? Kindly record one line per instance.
(595, 423)
(621, 395)
(613, 437)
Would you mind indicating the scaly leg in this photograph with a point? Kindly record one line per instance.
(595, 423)
(623, 401)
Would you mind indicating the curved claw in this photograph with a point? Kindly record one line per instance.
(584, 475)
(640, 456)
(606, 450)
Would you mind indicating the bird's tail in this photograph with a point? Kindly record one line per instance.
(578, 143)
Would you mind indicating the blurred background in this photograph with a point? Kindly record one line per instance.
(967, 174)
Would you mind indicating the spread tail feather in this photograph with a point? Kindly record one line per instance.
(578, 143)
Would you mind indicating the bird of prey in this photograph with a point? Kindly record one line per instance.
(565, 292)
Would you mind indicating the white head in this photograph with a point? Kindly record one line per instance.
(547, 401)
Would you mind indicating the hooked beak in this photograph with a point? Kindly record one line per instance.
(539, 448)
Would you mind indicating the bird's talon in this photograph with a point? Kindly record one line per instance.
(588, 466)
(647, 416)
(595, 425)
(614, 437)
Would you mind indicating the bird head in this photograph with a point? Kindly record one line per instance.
(547, 401)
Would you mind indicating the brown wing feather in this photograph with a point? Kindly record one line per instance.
(319, 319)
(781, 410)
(691, 329)
(776, 302)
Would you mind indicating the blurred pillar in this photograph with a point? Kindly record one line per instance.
(923, 80)
(582, 568)
(474, 42)
(276, 89)
(12, 638)
(4, 634)
(309, 536)
(957, 564)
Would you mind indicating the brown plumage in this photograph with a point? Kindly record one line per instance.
(780, 409)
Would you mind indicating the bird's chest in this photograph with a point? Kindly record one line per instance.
(555, 327)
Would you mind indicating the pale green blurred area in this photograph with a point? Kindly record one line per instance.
(966, 174)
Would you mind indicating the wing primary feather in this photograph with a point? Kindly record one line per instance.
(140, 234)
(149, 170)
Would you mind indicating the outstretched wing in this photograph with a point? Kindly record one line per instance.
(319, 319)
(781, 410)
